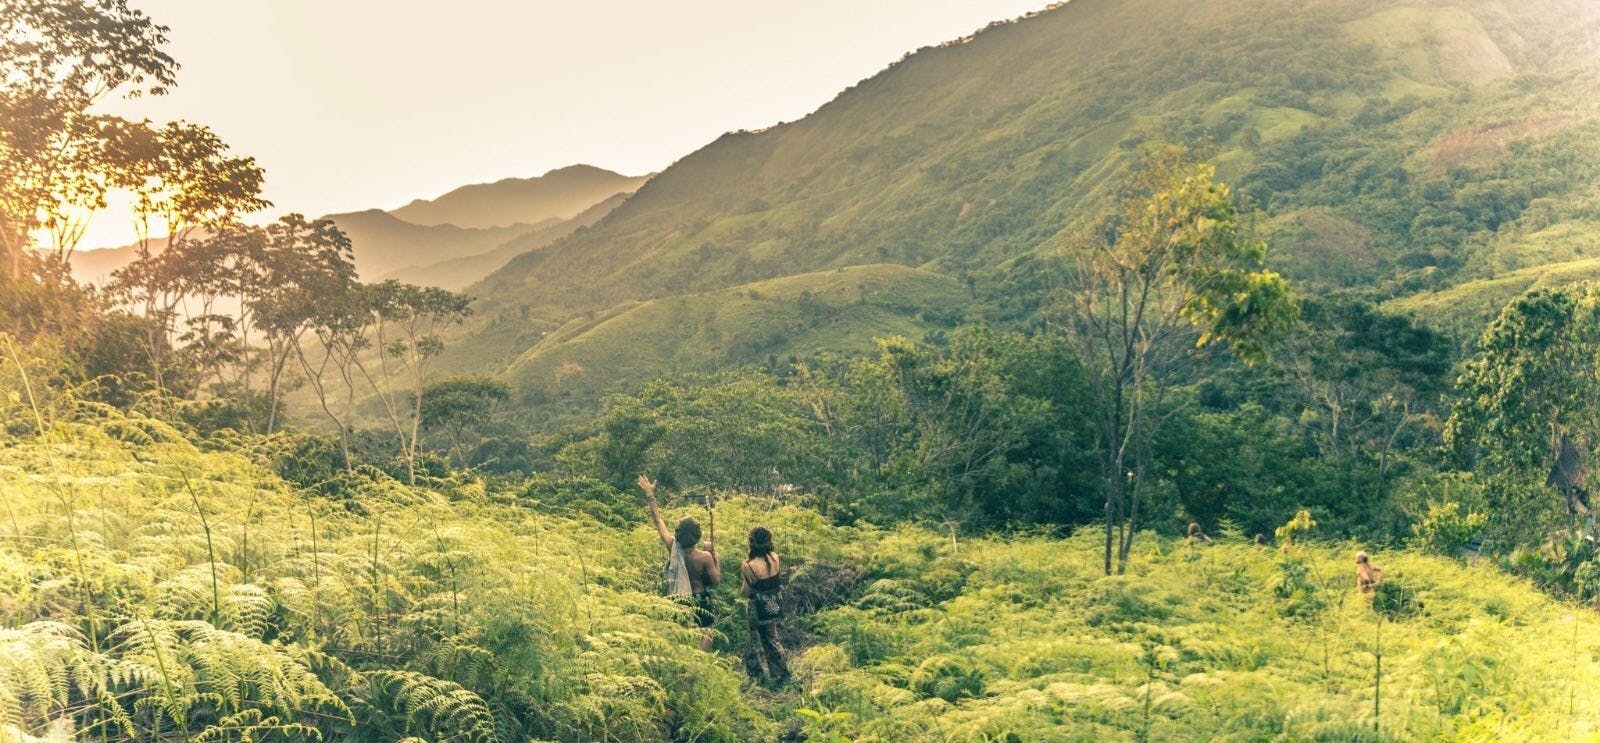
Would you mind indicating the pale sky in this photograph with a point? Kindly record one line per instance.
(353, 104)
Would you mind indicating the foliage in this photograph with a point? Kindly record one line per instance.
(57, 156)
(1527, 407)
(1174, 277)
(985, 428)
(158, 588)
(483, 617)
(1445, 528)
(463, 410)
(1030, 620)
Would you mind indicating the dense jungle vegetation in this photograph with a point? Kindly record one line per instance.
(247, 496)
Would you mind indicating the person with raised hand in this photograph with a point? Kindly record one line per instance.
(690, 572)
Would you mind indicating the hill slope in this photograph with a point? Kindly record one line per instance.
(843, 310)
(458, 273)
(1381, 139)
(384, 243)
(559, 194)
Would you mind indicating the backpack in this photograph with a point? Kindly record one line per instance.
(767, 605)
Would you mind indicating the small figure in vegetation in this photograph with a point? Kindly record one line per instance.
(1261, 540)
(690, 572)
(760, 580)
(1196, 536)
(1368, 575)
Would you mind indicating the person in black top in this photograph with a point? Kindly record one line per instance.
(760, 581)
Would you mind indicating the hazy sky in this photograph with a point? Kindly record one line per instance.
(352, 104)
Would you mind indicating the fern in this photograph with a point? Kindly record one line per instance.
(469, 615)
(443, 710)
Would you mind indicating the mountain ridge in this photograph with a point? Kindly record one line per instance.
(389, 246)
(562, 193)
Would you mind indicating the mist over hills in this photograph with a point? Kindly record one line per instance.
(1397, 146)
(444, 254)
(458, 273)
(559, 194)
(384, 243)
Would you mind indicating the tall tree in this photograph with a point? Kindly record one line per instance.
(188, 185)
(305, 261)
(1171, 279)
(58, 58)
(340, 323)
(1529, 401)
(407, 323)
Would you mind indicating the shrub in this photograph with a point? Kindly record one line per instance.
(948, 677)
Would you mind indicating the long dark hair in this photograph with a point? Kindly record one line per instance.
(760, 544)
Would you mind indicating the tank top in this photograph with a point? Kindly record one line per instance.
(765, 602)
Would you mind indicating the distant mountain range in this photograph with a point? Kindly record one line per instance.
(504, 219)
(559, 194)
(458, 273)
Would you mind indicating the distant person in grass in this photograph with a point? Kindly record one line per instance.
(1196, 536)
(690, 571)
(1368, 576)
(759, 579)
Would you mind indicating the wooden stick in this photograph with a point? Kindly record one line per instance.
(711, 520)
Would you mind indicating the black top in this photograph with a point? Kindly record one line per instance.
(762, 585)
(765, 585)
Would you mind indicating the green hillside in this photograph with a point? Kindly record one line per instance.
(155, 587)
(1386, 144)
(841, 310)
(1472, 304)
(986, 353)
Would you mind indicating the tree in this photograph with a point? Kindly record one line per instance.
(57, 60)
(416, 314)
(340, 323)
(1531, 395)
(1369, 378)
(456, 405)
(304, 262)
(1171, 279)
(188, 182)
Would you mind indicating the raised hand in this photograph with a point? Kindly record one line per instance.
(648, 485)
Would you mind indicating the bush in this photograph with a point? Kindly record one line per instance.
(948, 677)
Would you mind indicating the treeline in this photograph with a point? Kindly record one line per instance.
(989, 428)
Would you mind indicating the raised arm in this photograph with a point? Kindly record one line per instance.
(649, 488)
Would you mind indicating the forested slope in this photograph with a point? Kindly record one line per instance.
(1398, 145)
